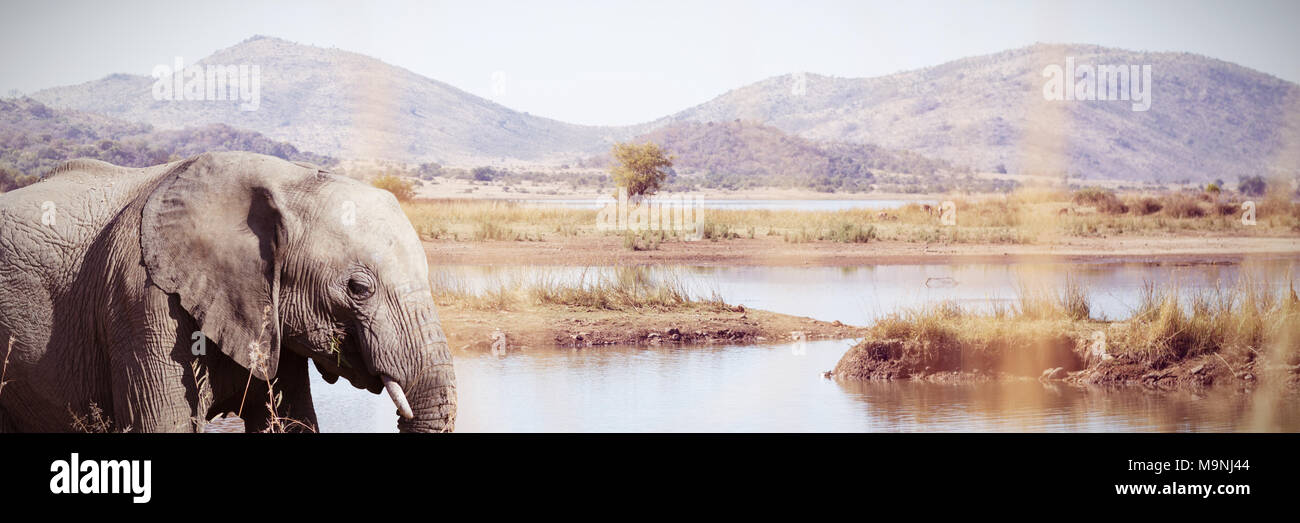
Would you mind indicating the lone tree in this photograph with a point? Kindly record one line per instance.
(640, 168)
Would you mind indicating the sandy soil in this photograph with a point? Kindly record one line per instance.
(772, 251)
(549, 327)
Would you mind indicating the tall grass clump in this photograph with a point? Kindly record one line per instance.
(643, 240)
(1070, 302)
(852, 233)
(484, 231)
(402, 188)
(501, 296)
(713, 231)
(1045, 329)
(624, 289)
(1103, 200)
(1144, 206)
(1169, 325)
(1182, 206)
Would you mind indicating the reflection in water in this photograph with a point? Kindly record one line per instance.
(771, 388)
(1030, 406)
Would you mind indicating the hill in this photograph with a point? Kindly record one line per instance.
(35, 138)
(347, 104)
(739, 154)
(1208, 118)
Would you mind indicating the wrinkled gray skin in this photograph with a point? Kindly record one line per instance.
(103, 303)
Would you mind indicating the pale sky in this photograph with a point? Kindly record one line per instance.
(624, 62)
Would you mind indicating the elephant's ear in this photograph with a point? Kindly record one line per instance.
(212, 232)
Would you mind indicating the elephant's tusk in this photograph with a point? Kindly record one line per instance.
(399, 397)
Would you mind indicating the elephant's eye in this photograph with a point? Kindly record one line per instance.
(359, 289)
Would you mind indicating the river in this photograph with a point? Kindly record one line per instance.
(775, 387)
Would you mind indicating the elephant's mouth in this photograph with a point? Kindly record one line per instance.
(348, 364)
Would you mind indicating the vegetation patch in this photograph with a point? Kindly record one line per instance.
(1173, 339)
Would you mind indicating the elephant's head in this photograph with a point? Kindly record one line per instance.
(266, 253)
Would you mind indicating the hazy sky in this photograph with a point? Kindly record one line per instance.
(621, 62)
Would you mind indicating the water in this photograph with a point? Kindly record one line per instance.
(776, 205)
(860, 295)
(771, 388)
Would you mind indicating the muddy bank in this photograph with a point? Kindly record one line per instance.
(773, 251)
(1070, 358)
(558, 326)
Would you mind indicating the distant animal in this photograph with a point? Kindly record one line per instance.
(158, 294)
(928, 209)
(941, 282)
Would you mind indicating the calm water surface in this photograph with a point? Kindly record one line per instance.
(772, 388)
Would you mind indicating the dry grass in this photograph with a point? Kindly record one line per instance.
(626, 289)
(1019, 218)
(401, 187)
(95, 422)
(259, 358)
(1169, 325)
(484, 220)
(4, 369)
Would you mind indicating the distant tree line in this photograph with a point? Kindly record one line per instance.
(35, 138)
(741, 155)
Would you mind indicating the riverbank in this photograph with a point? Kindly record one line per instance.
(623, 308)
(1237, 338)
(773, 251)
(539, 327)
(1087, 225)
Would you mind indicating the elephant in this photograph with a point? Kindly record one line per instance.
(162, 297)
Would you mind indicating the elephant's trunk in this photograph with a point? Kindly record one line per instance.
(417, 375)
(432, 403)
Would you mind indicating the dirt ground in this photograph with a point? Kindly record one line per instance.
(550, 327)
(773, 251)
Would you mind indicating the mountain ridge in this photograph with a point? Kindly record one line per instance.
(1012, 125)
(1209, 118)
(345, 102)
